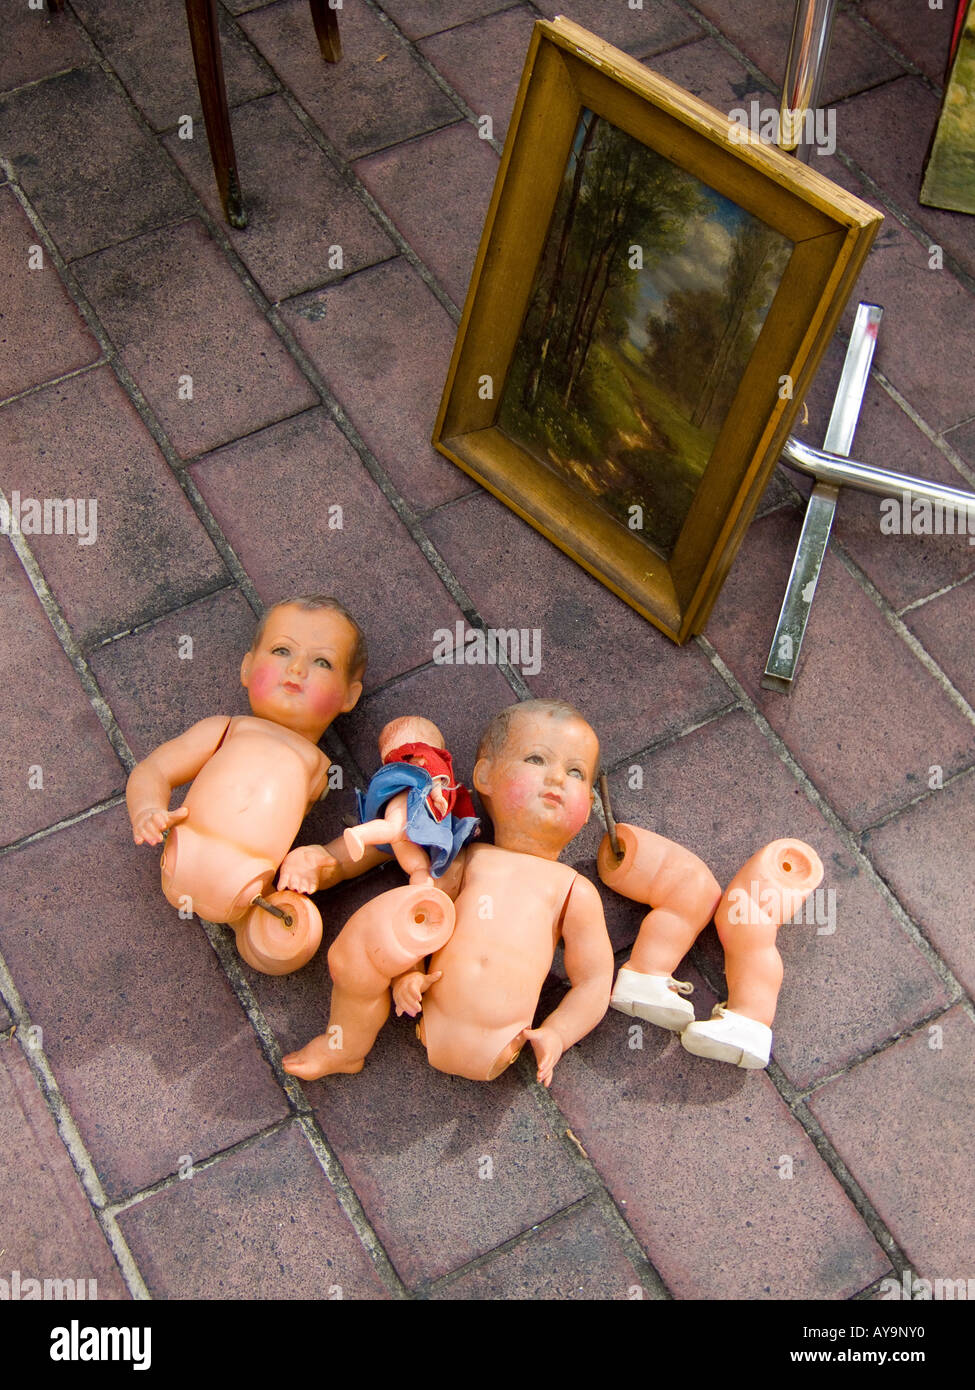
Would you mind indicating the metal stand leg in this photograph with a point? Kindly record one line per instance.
(780, 669)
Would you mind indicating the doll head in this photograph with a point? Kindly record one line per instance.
(536, 765)
(305, 665)
(409, 729)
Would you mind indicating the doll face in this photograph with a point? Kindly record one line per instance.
(298, 675)
(539, 786)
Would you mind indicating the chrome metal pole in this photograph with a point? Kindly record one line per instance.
(812, 29)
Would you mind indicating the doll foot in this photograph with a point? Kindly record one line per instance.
(655, 998)
(318, 1058)
(268, 944)
(353, 844)
(729, 1037)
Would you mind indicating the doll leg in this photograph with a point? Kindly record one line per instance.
(415, 863)
(389, 828)
(271, 945)
(385, 937)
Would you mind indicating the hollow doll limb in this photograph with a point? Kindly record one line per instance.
(683, 894)
(767, 891)
(387, 937)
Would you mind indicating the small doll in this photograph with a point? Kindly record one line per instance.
(413, 806)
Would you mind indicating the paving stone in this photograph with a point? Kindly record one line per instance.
(38, 44)
(5, 1016)
(155, 692)
(922, 33)
(589, 643)
(888, 132)
(917, 1094)
(153, 1054)
(94, 175)
(261, 1223)
(917, 853)
(414, 184)
(838, 1000)
(414, 1148)
(763, 32)
(382, 342)
(867, 753)
(49, 1231)
(417, 18)
(720, 1221)
(42, 334)
(132, 37)
(489, 89)
(82, 438)
(377, 95)
(175, 308)
(298, 549)
(299, 207)
(574, 1256)
(944, 627)
(648, 30)
(47, 720)
(962, 440)
(706, 69)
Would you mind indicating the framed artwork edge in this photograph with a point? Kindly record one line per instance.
(567, 70)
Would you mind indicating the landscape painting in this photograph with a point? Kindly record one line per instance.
(648, 300)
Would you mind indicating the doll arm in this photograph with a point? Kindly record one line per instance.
(589, 965)
(312, 868)
(409, 988)
(152, 781)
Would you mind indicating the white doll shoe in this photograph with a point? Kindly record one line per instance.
(729, 1037)
(656, 998)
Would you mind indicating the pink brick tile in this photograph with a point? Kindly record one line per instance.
(459, 55)
(377, 95)
(944, 627)
(132, 37)
(866, 750)
(155, 692)
(175, 308)
(91, 190)
(299, 207)
(693, 1153)
(590, 642)
(921, 32)
(49, 1231)
(888, 132)
(414, 183)
(47, 720)
(639, 31)
(710, 72)
(574, 1257)
(150, 1048)
(762, 30)
(922, 854)
(83, 439)
(42, 334)
(37, 44)
(290, 476)
(262, 1223)
(917, 1096)
(417, 18)
(838, 1000)
(383, 343)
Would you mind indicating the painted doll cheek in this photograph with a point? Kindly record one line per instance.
(262, 682)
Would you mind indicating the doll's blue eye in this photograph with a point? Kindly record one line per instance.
(323, 661)
(534, 758)
(577, 772)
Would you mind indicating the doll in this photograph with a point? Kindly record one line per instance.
(426, 817)
(254, 778)
(491, 927)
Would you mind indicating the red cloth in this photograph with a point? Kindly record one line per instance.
(438, 762)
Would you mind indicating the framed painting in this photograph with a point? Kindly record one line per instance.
(652, 293)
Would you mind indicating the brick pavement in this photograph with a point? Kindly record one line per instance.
(138, 1051)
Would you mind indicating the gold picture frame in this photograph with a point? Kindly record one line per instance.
(581, 344)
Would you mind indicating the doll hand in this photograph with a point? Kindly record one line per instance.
(408, 989)
(148, 826)
(307, 869)
(548, 1049)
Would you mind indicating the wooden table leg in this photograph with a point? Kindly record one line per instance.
(326, 30)
(201, 16)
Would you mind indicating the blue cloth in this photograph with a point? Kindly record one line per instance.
(441, 839)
